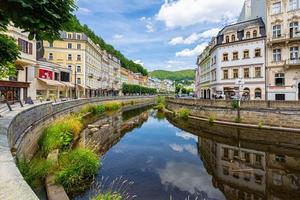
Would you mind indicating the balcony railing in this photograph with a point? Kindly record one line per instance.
(293, 61)
(277, 38)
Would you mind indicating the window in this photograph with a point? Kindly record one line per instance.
(225, 57)
(69, 45)
(276, 8)
(257, 53)
(69, 36)
(50, 44)
(248, 35)
(258, 179)
(25, 47)
(56, 76)
(69, 56)
(258, 160)
(50, 57)
(294, 53)
(78, 57)
(78, 80)
(280, 158)
(279, 79)
(294, 29)
(232, 38)
(293, 4)
(246, 72)
(235, 55)
(225, 73)
(257, 72)
(78, 37)
(276, 31)
(246, 54)
(226, 153)
(65, 76)
(227, 39)
(276, 55)
(225, 171)
(78, 46)
(257, 93)
(280, 97)
(70, 67)
(235, 73)
(255, 33)
(78, 69)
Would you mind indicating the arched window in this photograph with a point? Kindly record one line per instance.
(246, 94)
(227, 39)
(232, 38)
(255, 33)
(248, 35)
(257, 93)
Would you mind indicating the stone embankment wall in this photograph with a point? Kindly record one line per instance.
(19, 134)
(270, 113)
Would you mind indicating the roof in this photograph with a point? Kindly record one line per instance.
(242, 25)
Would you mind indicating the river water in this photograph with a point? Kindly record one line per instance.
(155, 157)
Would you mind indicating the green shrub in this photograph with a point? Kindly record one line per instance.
(87, 109)
(60, 134)
(160, 100)
(107, 196)
(183, 113)
(159, 107)
(75, 168)
(34, 172)
(211, 119)
(260, 125)
(235, 104)
(238, 120)
(112, 106)
(100, 109)
(132, 103)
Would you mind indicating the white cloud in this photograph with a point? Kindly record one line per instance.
(149, 24)
(186, 136)
(190, 178)
(192, 52)
(181, 148)
(195, 37)
(183, 13)
(138, 62)
(150, 28)
(118, 36)
(84, 10)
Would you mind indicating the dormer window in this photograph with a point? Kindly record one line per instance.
(227, 39)
(248, 35)
(232, 38)
(255, 33)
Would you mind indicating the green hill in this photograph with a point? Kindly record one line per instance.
(183, 75)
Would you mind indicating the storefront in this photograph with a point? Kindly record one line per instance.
(12, 91)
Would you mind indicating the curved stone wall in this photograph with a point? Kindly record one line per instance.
(19, 133)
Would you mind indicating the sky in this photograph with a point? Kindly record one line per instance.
(158, 34)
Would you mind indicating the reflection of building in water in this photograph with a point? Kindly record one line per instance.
(238, 172)
(245, 174)
(109, 129)
(283, 177)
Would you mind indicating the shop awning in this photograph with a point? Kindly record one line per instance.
(52, 82)
(14, 84)
(68, 84)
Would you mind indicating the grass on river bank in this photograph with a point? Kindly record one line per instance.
(75, 167)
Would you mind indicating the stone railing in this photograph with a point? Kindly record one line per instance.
(268, 113)
(20, 130)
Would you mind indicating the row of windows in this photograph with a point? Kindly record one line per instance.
(293, 30)
(246, 54)
(277, 6)
(230, 154)
(247, 36)
(294, 54)
(69, 57)
(246, 175)
(25, 47)
(235, 73)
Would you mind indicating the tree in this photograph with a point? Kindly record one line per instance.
(41, 19)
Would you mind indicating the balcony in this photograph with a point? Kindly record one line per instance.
(277, 39)
(294, 36)
(292, 62)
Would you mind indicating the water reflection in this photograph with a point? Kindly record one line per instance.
(168, 158)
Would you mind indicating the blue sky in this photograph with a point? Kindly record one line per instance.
(159, 34)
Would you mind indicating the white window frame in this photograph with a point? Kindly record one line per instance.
(276, 8)
(293, 5)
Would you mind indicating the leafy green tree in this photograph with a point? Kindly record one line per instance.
(42, 19)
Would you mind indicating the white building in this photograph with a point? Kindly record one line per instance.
(238, 53)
